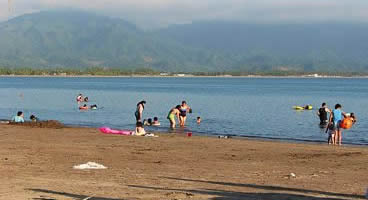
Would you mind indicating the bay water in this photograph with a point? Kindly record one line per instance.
(250, 107)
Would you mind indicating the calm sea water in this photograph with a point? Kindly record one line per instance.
(253, 107)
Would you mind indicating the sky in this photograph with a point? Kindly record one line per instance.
(159, 13)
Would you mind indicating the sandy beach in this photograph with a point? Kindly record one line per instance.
(37, 164)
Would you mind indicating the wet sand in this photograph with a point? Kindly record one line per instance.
(37, 163)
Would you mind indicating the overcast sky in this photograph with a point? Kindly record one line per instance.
(153, 13)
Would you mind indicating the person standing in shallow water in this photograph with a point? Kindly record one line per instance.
(322, 113)
(184, 109)
(336, 118)
(171, 116)
(139, 111)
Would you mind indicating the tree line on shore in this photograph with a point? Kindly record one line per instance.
(102, 71)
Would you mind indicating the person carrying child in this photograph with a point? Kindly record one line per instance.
(336, 118)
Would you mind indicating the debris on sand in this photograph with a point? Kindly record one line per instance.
(90, 165)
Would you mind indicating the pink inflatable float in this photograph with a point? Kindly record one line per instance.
(108, 130)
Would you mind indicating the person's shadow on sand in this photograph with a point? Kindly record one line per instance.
(74, 196)
(287, 193)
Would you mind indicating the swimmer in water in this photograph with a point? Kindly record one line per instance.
(80, 98)
(198, 120)
(184, 108)
(93, 107)
(84, 107)
(149, 122)
(156, 122)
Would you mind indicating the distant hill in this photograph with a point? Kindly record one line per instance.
(78, 39)
(74, 39)
(308, 47)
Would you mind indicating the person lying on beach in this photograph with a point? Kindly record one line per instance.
(19, 118)
(139, 130)
(171, 116)
(156, 122)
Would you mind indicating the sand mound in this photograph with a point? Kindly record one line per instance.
(41, 124)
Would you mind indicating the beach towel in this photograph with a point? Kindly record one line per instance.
(108, 130)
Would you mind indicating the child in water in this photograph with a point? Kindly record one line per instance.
(353, 117)
(19, 118)
(93, 107)
(147, 122)
(79, 98)
(331, 134)
(156, 122)
(198, 120)
(33, 118)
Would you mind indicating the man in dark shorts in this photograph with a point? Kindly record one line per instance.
(322, 113)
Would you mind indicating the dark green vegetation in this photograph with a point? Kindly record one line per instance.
(82, 42)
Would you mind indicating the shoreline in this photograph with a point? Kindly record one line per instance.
(188, 76)
(37, 163)
(209, 135)
(240, 137)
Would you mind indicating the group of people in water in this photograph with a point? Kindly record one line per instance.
(19, 118)
(331, 119)
(81, 99)
(179, 111)
(334, 122)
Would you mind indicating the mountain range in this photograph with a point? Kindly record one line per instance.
(76, 39)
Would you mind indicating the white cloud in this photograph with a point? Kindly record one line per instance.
(163, 12)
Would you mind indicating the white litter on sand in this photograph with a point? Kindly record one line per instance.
(90, 165)
(150, 135)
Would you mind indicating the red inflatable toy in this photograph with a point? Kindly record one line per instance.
(346, 123)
